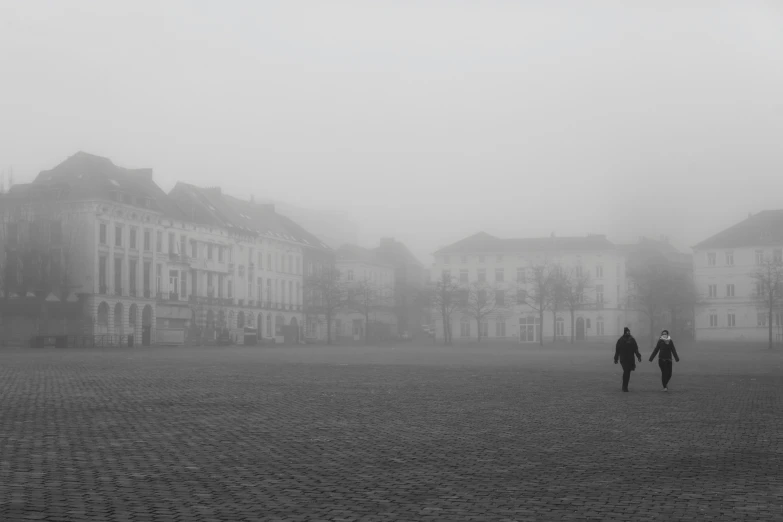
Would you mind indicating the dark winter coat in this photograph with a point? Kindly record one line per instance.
(665, 351)
(626, 351)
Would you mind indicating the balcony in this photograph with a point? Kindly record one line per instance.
(179, 258)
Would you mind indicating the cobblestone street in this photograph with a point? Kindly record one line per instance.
(387, 433)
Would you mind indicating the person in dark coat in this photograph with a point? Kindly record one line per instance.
(624, 352)
(665, 350)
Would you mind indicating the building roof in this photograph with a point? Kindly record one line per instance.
(210, 206)
(395, 252)
(762, 229)
(483, 242)
(86, 176)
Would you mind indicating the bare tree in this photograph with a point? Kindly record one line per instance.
(768, 277)
(558, 282)
(445, 298)
(540, 293)
(327, 294)
(651, 290)
(479, 303)
(367, 297)
(575, 285)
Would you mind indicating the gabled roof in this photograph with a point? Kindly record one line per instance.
(395, 252)
(86, 176)
(762, 229)
(483, 242)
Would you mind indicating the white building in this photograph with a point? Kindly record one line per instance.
(505, 265)
(159, 265)
(723, 267)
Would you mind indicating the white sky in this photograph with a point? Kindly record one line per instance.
(423, 120)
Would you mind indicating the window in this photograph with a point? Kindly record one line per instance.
(759, 257)
(464, 260)
(118, 276)
(194, 250)
(484, 329)
(481, 259)
(210, 255)
(464, 329)
(482, 275)
(730, 319)
(183, 245)
(499, 275)
(172, 241)
(118, 235)
(599, 293)
(269, 290)
(560, 325)
(230, 289)
(269, 261)
(193, 282)
(259, 287)
(159, 241)
(599, 327)
(147, 240)
(230, 252)
(713, 290)
(174, 281)
(147, 281)
(297, 298)
(761, 319)
(730, 290)
(711, 256)
(777, 255)
(520, 275)
(713, 319)
(500, 258)
(350, 274)
(132, 269)
(587, 323)
(729, 258)
(463, 275)
(261, 259)
(102, 233)
(220, 253)
(133, 237)
(500, 328)
(521, 297)
(500, 298)
(158, 274)
(599, 272)
(446, 260)
(102, 274)
(249, 289)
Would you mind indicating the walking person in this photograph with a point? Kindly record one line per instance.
(665, 350)
(624, 352)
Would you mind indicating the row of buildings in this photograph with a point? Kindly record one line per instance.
(133, 259)
(713, 294)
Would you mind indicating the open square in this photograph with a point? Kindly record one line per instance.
(407, 432)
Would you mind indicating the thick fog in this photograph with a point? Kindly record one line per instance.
(427, 121)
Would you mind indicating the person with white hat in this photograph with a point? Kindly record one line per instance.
(665, 350)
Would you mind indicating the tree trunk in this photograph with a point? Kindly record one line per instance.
(572, 326)
(478, 333)
(540, 325)
(554, 326)
(328, 327)
(770, 323)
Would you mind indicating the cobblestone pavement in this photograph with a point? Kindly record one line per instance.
(394, 433)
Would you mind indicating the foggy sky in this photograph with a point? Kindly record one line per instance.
(427, 121)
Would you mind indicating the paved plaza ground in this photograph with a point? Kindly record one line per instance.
(410, 432)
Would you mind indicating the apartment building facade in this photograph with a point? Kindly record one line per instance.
(724, 267)
(506, 267)
(162, 266)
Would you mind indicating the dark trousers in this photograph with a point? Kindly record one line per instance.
(666, 371)
(627, 369)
